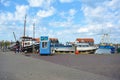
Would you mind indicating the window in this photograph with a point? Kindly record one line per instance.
(44, 44)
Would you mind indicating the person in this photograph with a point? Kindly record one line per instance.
(0, 45)
(5, 45)
(17, 47)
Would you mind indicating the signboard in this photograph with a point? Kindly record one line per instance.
(44, 38)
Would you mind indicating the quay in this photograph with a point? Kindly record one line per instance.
(59, 67)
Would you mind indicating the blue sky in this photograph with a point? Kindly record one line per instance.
(62, 19)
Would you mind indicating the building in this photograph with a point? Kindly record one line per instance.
(54, 40)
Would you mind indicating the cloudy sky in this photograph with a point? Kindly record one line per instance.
(62, 19)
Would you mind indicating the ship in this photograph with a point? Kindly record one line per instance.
(81, 45)
(105, 46)
(29, 43)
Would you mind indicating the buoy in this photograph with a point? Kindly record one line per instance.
(76, 52)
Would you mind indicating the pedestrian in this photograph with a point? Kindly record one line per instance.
(5, 46)
(0, 45)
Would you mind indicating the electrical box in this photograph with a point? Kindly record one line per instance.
(45, 48)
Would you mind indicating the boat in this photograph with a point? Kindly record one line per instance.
(105, 47)
(28, 44)
(82, 48)
(85, 48)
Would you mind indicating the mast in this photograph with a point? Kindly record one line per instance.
(33, 36)
(105, 39)
(24, 25)
(24, 29)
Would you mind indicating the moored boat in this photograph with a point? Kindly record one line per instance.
(85, 48)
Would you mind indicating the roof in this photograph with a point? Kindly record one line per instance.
(37, 39)
(53, 39)
(85, 39)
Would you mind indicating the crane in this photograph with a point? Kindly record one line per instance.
(14, 36)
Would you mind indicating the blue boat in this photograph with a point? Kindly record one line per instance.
(105, 46)
(111, 48)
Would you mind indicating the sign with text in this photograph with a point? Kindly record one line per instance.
(44, 38)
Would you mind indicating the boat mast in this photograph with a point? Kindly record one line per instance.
(33, 36)
(24, 29)
(105, 39)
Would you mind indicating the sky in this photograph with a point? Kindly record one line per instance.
(62, 19)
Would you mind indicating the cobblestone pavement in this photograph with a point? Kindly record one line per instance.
(19, 67)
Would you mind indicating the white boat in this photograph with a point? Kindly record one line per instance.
(80, 47)
(84, 47)
(27, 44)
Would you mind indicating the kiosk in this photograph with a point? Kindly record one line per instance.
(45, 48)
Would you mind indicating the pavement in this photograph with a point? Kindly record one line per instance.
(19, 67)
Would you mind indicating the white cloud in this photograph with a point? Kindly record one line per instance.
(101, 18)
(98, 15)
(20, 12)
(82, 30)
(40, 3)
(66, 1)
(114, 4)
(13, 21)
(36, 3)
(5, 2)
(67, 18)
(91, 12)
(72, 12)
(105, 12)
(7, 32)
(60, 24)
(46, 13)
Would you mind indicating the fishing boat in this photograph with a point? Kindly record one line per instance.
(105, 46)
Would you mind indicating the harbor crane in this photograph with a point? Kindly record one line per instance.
(14, 36)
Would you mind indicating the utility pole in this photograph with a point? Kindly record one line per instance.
(24, 29)
(33, 36)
